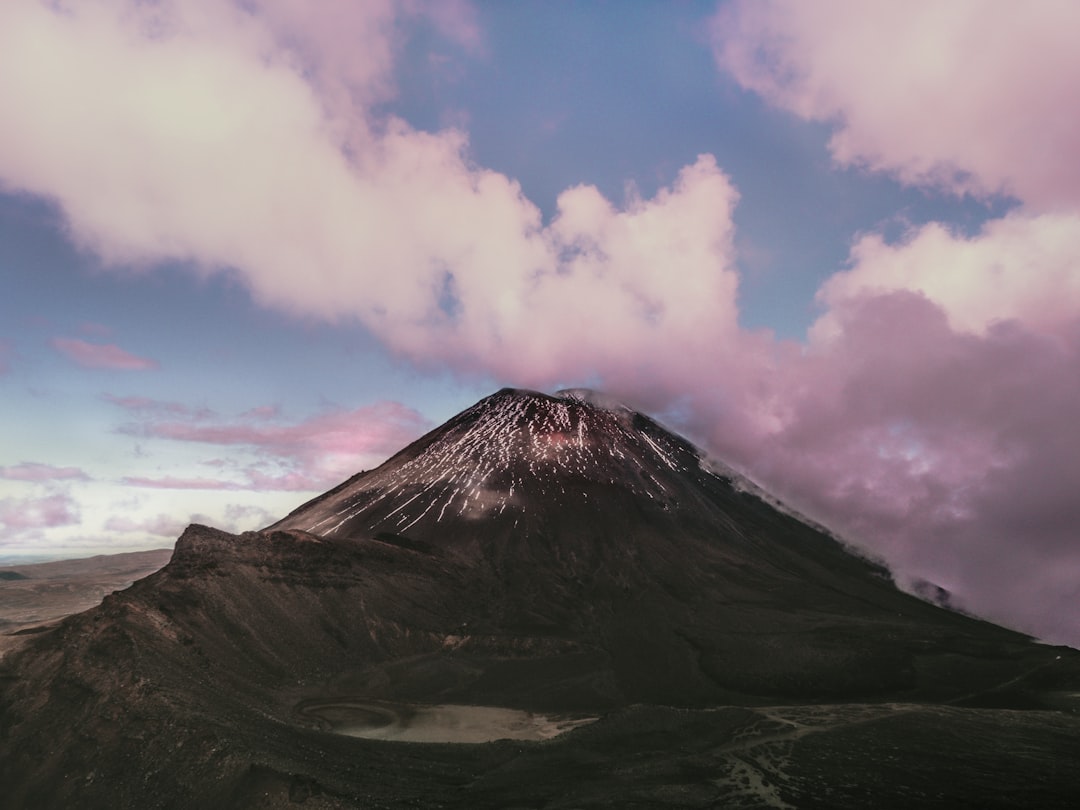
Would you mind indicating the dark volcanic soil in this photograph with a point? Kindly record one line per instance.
(550, 556)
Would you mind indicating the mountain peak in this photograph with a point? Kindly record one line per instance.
(501, 455)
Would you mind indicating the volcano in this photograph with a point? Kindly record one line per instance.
(549, 601)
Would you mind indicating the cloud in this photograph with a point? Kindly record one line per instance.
(22, 514)
(262, 412)
(1020, 267)
(226, 140)
(313, 454)
(456, 20)
(931, 413)
(33, 471)
(173, 482)
(101, 355)
(148, 406)
(967, 95)
(242, 517)
(235, 518)
(302, 480)
(954, 455)
(6, 352)
(161, 525)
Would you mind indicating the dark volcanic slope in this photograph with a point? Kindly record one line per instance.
(594, 525)
(542, 553)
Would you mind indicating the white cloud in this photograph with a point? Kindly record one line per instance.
(969, 95)
(1021, 267)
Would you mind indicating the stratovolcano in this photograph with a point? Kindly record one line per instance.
(584, 521)
(550, 554)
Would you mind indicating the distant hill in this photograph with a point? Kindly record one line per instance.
(37, 594)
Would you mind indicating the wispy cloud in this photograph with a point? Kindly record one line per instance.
(33, 471)
(147, 406)
(173, 482)
(261, 412)
(161, 525)
(21, 514)
(372, 429)
(101, 355)
(308, 455)
(243, 517)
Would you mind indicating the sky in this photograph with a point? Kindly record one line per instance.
(251, 247)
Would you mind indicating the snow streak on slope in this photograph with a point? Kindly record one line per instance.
(510, 445)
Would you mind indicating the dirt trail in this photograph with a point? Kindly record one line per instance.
(756, 760)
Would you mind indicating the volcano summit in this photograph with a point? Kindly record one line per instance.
(539, 564)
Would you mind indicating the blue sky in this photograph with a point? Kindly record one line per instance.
(247, 250)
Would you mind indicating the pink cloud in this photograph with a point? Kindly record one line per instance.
(930, 419)
(262, 412)
(6, 351)
(375, 428)
(450, 262)
(32, 471)
(947, 94)
(147, 405)
(95, 329)
(243, 517)
(1021, 267)
(172, 482)
(161, 525)
(953, 455)
(316, 453)
(101, 355)
(21, 514)
(456, 20)
(932, 414)
(294, 481)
